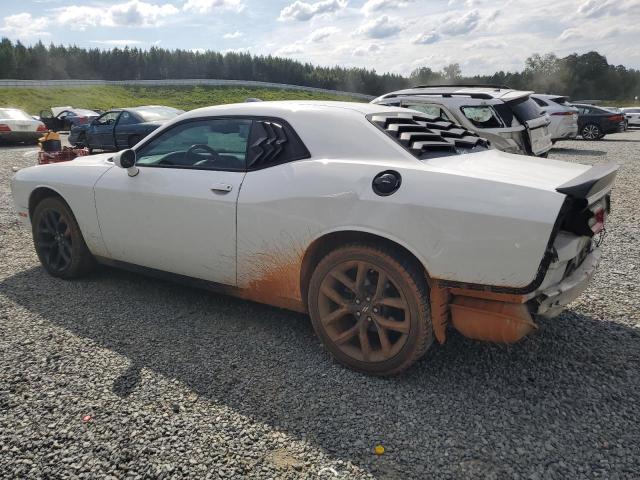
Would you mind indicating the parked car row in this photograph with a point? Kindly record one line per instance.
(121, 128)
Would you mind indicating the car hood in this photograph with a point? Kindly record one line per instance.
(494, 165)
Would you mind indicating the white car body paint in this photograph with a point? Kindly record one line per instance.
(479, 218)
(23, 127)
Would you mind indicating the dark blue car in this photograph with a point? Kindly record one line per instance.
(121, 128)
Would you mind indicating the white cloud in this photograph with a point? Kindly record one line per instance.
(290, 50)
(426, 38)
(133, 13)
(23, 25)
(455, 25)
(368, 50)
(381, 27)
(322, 34)
(230, 36)
(596, 8)
(303, 11)
(570, 33)
(208, 6)
(372, 6)
(117, 43)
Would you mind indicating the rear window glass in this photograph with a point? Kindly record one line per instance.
(14, 114)
(540, 102)
(482, 116)
(560, 100)
(82, 113)
(158, 113)
(527, 110)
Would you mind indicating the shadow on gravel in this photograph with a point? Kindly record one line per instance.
(577, 152)
(608, 139)
(470, 408)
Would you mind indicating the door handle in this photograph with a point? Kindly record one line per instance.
(221, 188)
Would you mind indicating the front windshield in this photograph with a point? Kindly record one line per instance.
(14, 114)
(154, 114)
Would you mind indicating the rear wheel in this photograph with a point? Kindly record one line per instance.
(58, 240)
(591, 131)
(370, 308)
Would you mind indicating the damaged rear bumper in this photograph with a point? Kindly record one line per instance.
(553, 299)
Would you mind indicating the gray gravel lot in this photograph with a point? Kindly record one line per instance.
(183, 383)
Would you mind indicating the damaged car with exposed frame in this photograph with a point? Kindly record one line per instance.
(386, 226)
(510, 119)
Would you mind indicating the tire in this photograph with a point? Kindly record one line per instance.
(133, 139)
(58, 241)
(370, 330)
(591, 131)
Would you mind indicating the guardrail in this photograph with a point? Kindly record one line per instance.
(174, 82)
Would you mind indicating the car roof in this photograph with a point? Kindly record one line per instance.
(287, 108)
(479, 91)
(57, 110)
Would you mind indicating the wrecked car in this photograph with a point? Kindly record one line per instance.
(118, 129)
(510, 119)
(58, 119)
(383, 224)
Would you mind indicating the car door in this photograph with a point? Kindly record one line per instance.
(178, 214)
(123, 130)
(52, 123)
(100, 134)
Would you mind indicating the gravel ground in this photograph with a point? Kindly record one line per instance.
(124, 376)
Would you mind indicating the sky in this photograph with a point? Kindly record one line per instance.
(397, 36)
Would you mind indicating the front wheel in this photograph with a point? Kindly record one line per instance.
(370, 308)
(58, 240)
(591, 131)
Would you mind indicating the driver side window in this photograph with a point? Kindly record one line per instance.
(108, 118)
(213, 144)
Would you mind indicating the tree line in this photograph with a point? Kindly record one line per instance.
(587, 76)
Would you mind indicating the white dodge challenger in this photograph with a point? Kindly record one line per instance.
(384, 224)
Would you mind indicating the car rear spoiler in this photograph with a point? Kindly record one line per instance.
(592, 184)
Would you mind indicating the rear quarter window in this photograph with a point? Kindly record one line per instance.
(431, 110)
(482, 116)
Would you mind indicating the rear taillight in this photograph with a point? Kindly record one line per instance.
(616, 118)
(4, 127)
(596, 223)
(42, 128)
(562, 114)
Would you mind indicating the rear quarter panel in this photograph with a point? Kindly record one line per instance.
(462, 229)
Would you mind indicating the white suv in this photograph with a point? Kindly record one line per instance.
(508, 118)
(564, 117)
(632, 115)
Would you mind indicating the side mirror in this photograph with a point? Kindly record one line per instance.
(127, 159)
